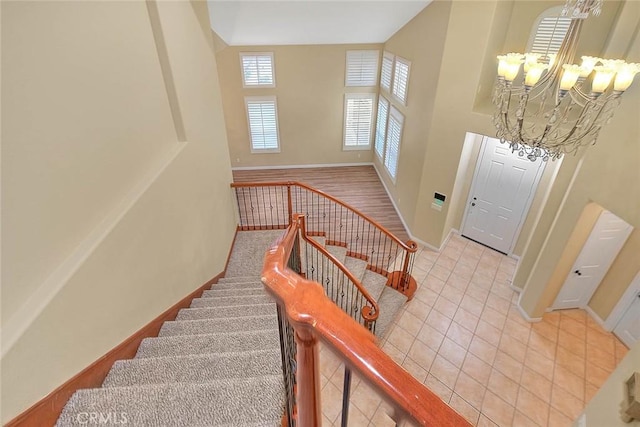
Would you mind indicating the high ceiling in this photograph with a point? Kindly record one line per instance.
(287, 22)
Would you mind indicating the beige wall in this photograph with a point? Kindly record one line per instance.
(452, 114)
(90, 116)
(604, 408)
(608, 176)
(420, 41)
(310, 98)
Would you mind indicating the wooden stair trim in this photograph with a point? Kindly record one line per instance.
(366, 314)
(47, 410)
(312, 314)
(410, 246)
(394, 279)
(335, 243)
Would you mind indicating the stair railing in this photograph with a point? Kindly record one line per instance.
(270, 205)
(339, 284)
(307, 317)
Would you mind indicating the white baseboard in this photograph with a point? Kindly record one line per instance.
(404, 223)
(319, 165)
(515, 288)
(595, 317)
(525, 315)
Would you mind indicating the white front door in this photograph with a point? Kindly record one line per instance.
(602, 247)
(628, 329)
(503, 186)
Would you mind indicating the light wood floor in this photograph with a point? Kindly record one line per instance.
(358, 186)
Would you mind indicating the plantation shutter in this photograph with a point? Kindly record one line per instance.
(257, 69)
(550, 34)
(387, 71)
(358, 119)
(394, 134)
(381, 125)
(401, 80)
(362, 68)
(263, 123)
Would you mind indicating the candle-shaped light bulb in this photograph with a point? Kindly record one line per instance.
(530, 59)
(512, 67)
(588, 62)
(534, 73)
(624, 76)
(569, 76)
(602, 79)
(502, 65)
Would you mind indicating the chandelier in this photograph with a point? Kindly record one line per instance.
(556, 107)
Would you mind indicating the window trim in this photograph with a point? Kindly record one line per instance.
(247, 101)
(390, 56)
(398, 116)
(347, 97)
(361, 83)
(273, 70)
(393, 86)
(383, 126)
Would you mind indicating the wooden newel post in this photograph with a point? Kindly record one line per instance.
(308, 378)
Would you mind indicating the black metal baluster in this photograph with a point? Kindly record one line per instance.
(346, 393)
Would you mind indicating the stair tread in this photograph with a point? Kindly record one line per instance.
(230, 301)
(233, 311)
(225, 324)
(390, 303)
(216, 293)
(227, 402)
(240, 285)
(374, 283)
(356, 266)
(193, 368)
(238, 279)
(208, 343)
(340, 252)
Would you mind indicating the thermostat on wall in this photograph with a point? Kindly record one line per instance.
(438, 201)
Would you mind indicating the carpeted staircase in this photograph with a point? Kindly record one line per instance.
(219, 362)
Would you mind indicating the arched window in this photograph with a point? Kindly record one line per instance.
(548, 32)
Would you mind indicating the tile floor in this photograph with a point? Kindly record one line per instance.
(462, 336)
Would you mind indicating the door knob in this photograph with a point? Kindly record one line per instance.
(473, 204)
(578, 272)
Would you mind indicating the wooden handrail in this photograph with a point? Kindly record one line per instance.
(313, 316)
(366, 314)
(410, 246)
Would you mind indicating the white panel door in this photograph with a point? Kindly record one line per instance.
(628, 329)
(597, 254)
(503, 186)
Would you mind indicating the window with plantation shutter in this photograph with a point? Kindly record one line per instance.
(358, 118)
(381, 125)
(386, 73)
(547, 36)
(394, 136)
(401, 80)
(257, 69)
(262, 115)
(362, 68)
